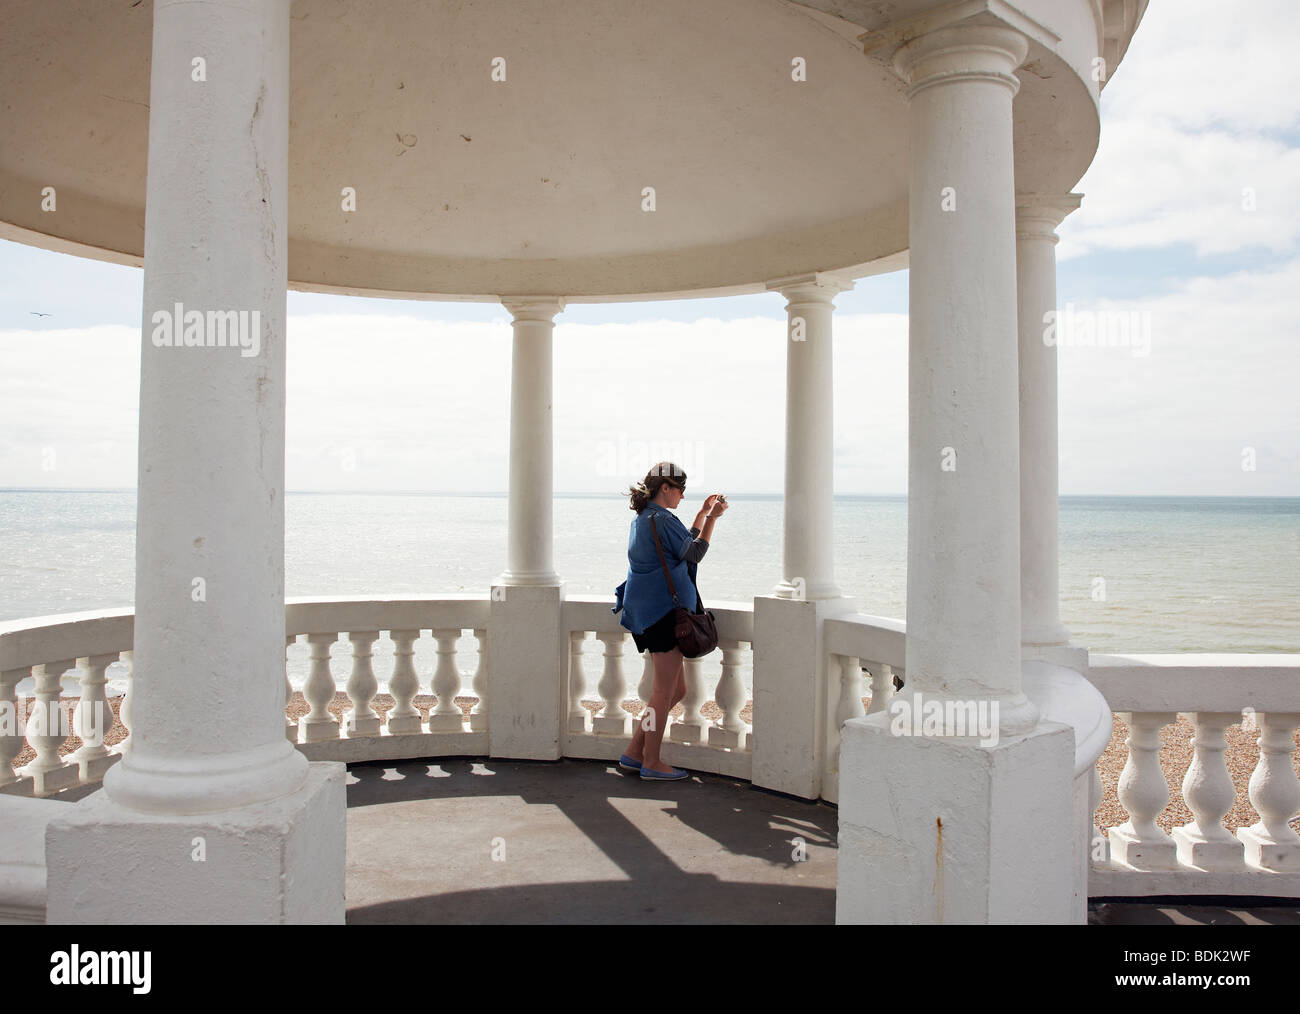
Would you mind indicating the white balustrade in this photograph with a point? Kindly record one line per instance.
(446, 716)
(478, 715)
(290, 726)
(730, 732)
(882, 687)
(93, 718)
(362, 686)
(578, 716)
(319, 724)
(46, 732)
(692, 727)
(1140, 843)
(1208, 792)
(404, 684)
(1274, 789)
(612, 720)
(12, 722)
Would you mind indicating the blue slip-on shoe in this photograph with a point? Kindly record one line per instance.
(651, 775)
(628, 764)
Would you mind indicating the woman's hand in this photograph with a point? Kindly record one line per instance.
(715, 506)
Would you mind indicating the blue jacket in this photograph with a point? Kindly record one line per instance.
(643, 597)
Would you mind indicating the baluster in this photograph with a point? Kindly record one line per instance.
(319, 724)
(46, 732)
(692, 726)
(1274, 791)
(1140, 843)
(1208, 791)
(578, 719)
(290, 726)
(478, 715)
(362, 686)
(447, 716)
(404, 684)
(93, 718)
(730, 731)
(11, 723)
(124, 706)
(612, 720)
(882, 687)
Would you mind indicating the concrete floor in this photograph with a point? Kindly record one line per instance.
(579, 842)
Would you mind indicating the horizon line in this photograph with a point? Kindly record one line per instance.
(622, 496)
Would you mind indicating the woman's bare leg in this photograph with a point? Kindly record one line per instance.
(637, 749)
(656, 714)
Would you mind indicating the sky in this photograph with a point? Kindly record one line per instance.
(1190, 225)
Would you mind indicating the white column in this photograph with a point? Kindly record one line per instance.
(790, 665)
(207, 730)
(528, 706)
(809, 550)
(529, 545)
(1037, 217)
(963, 544)
(965, 829)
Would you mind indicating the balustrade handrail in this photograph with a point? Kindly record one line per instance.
(37, 640)
(1198, 682)
(868, 638)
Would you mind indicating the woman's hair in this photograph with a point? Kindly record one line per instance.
(664, 473)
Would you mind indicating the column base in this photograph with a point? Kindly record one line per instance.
(1263, 851)
(367, 725)
(447, 722)
(612, 726)
(404, 724)
(317, 731)
(279, 861)
(1194, 849)
(46, 781)
(1127, 848)
(942, 830)
(727, 738)
(681, 732)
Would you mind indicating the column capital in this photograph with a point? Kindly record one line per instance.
(962, 40)
(816, 287)
(533, 308)
(1039, 215)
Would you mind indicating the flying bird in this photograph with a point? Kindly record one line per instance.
(35, 314)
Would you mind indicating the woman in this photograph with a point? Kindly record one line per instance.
(648, 608)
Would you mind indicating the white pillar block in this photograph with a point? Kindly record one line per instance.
(528, 704)
(945, 831)
(276, 862)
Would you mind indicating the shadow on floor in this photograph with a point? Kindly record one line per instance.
(571, 841)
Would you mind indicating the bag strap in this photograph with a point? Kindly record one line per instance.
(664, 563)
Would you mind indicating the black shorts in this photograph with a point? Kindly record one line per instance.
(659, 636)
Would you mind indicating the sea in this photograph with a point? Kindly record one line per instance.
(1138, 574)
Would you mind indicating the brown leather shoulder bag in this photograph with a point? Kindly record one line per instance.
(696, 633)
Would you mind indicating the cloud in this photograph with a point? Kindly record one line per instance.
(1190, 137)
